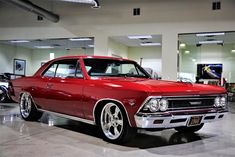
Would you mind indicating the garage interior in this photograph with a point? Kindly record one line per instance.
(171, 37)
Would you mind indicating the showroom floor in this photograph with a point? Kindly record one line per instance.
(57, 137)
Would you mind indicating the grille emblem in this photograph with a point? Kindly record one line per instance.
(195, 103)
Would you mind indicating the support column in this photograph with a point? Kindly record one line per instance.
(169, 56)
(101, 45)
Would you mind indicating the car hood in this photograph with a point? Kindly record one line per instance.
(164, 87)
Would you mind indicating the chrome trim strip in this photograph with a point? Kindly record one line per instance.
(110, 100)
(68, 116)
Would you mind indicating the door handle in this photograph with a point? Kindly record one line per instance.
(49, 85)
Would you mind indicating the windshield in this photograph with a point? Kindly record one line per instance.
(115, 68)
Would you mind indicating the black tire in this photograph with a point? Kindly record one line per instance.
(190, 129)
(3, 95)
(28, 109)
(126, 133)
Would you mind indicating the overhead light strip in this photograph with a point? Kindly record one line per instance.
(140, 37)
(150, 44)
(44, 47)
(80, 39)
(19, 41)
(209, 34)
(211, 42)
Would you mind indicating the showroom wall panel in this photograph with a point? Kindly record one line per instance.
(152, 57)
(7, 55)
(40, 56)
(117, 49)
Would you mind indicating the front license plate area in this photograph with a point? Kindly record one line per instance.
(195, 120)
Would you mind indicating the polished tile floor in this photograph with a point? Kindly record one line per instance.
(58, 137)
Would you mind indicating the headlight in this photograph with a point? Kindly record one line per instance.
(220, 101)
(154, 105)
(223, 101)
(217, 101)
(163, 105)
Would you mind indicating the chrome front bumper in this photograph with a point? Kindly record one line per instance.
(172, 121)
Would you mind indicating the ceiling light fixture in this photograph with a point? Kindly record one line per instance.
(182, 45)
(194, 60)
(90, 45)
(44, 47)
(95, 3)
(140, 37)
(150, 44)
(80, 39)
(187, 52)
(209, 34)
(211, 42)
(232, 51)
(19, 41)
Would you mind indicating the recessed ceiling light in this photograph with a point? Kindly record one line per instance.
(211, 42)
(209, 34)
(140, 37)
(150, 44)
(19, 41)
(44, 47)
(80, 39)
(232, 51)
(182, 45)
(194, 60)
(90, 45)
(186, 52)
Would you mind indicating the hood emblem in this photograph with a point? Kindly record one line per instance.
(195, 102)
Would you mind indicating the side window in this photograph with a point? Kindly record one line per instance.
(64, 69)
(50, 72)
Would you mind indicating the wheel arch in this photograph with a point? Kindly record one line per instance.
(100, 104)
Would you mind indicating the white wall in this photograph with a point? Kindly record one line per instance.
(152, 57)
(9, 53)
(115, 19)
(39, 56)
(207, 54)
(117, 49)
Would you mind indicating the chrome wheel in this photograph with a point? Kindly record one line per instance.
(111, 121)
(25, 105)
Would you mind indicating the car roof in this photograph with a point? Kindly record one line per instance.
(87, 56)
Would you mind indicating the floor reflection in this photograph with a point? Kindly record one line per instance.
(143, 140)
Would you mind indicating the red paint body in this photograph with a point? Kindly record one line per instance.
(78, 96)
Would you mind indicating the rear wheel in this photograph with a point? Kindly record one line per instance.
(28, 109)
(114, 124)
(190, 129)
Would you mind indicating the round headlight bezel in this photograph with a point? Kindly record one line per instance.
(154, 105)
(220, 101)
(163, 105)
(217, 102)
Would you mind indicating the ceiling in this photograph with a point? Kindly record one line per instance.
(56, 43)
(136, 42)
(192, 39)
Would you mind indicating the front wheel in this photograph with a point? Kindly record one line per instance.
(114, 124)
(28, 109)
(3, 95)
(190, 129)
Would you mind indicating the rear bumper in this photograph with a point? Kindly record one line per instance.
(177, 119)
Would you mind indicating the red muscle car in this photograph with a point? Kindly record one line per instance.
(117, 95)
